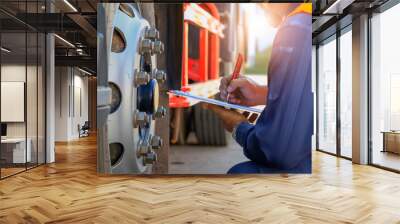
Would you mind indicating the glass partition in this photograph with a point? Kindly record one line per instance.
(22, 88)
(31, 98)
(41, 97)
(13, 105)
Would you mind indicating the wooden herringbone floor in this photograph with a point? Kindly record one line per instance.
(70, 191)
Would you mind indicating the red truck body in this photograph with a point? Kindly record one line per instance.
(206, 19)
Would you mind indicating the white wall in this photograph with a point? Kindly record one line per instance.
(16, 73)
(71, 87)
(79, 117)
(61, 103)
(13, 72)
(13, 101)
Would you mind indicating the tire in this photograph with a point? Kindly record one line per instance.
(183, 133)
(208, 127)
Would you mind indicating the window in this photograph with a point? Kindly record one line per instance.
(385, 89)
(327, 97)
(346, 94)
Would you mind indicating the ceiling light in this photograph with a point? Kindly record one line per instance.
(5, 50)
(84, 71)
(65, 41)
(337, 7)
(70, 5)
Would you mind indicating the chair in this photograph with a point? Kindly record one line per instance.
(84, 130)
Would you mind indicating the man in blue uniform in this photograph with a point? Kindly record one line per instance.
(280, 141)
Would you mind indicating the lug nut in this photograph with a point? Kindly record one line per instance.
(146, 46)
(151, 33)
(159, 75)
(150, 158)
(140, 119)
(141, 78)
(143, 148)
(161, 112)
(158, 47)
(156, 142)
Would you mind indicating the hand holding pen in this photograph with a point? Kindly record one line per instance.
(239, 89)
(236, 72)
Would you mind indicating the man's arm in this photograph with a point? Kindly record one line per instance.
(239, 126)
(273, 139)
(240, 134)
(277, 138)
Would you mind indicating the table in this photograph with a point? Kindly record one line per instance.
(13, 150)
(391, 141)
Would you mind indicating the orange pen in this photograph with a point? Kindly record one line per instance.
(236, 71)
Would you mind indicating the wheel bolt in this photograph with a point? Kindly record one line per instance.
(159, 75)
(141, 78)
(141, 119)
(151, 33)
(158, 47)
(143, 148)
(150, 158)
(156, 142)
(146, 46)
(161, 112)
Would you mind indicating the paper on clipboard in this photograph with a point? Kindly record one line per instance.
(215, 102)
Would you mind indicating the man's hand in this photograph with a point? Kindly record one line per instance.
(243, 91)
(230, 118)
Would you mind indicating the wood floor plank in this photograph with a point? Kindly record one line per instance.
(70, 191)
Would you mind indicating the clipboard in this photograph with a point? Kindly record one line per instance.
(215, 102)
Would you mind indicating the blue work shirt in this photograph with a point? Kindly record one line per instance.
(280, 141)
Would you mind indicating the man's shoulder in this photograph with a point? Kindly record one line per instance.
(300, 21)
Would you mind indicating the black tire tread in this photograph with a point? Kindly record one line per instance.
(208, 127)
